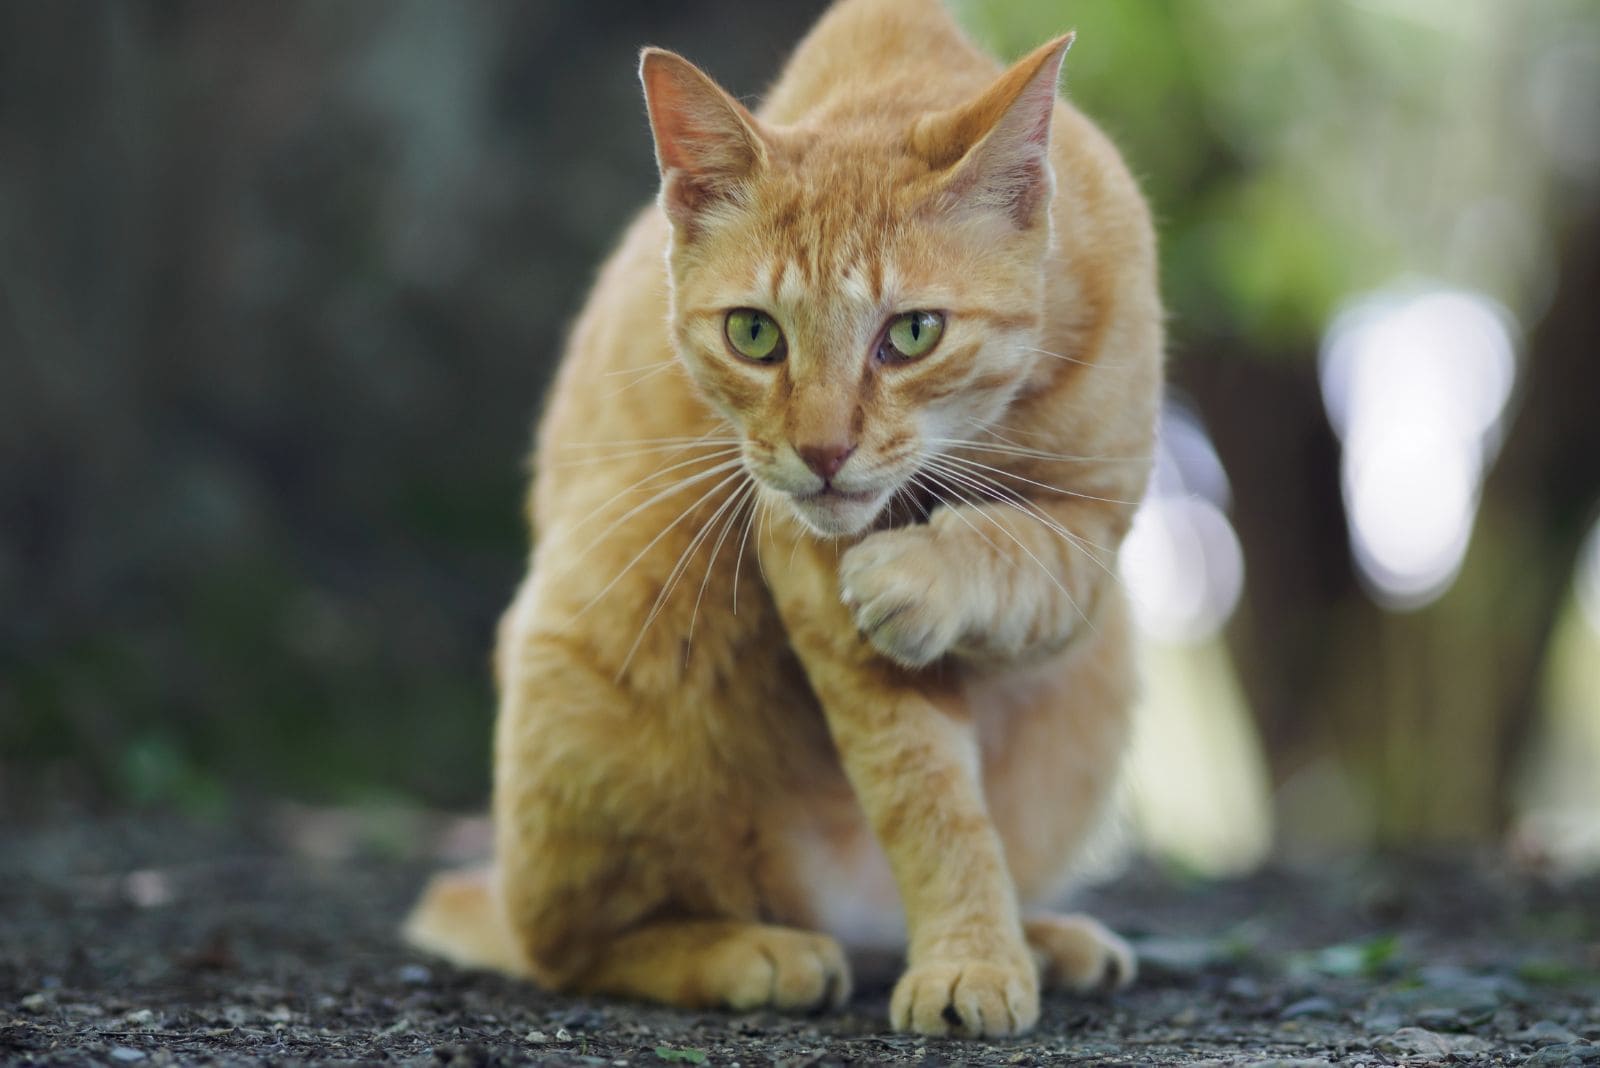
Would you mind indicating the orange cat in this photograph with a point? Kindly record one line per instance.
(821, 639)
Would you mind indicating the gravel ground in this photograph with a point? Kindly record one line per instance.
(159, 942)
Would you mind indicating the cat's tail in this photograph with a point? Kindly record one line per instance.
(459, 918)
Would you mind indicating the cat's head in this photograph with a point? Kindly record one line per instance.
(853, 297)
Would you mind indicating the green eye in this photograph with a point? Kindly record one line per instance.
(754, 335)
(913, 335)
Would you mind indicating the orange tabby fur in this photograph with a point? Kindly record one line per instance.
(708, 767)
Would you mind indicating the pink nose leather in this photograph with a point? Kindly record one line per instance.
(825, 460)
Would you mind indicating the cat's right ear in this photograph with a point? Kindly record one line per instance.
(708, 145)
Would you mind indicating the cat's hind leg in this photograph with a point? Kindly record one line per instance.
(726, 964)
(1079, 953)
(698, 964)
(627, 855)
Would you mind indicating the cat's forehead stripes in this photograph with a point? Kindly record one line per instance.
(854, 287)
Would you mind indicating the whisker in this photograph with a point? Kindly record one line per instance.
(954, 508)
(763, 525)
(615, 457)
(640, 555)
(994, 430)
(1035, 454)
(1018, 542)
(642, 378)
(795, 548)
(1077, 360)
(744, 539)
(679, 569)
(1004, 494)
(974, 464)
(680, 484)
(624, 442)
(637, 370)
(742, 496)
(1009, 497)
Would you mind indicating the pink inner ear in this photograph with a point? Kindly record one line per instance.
(1008, 168)
(699, 129)
(669, 121)
(1044, 106)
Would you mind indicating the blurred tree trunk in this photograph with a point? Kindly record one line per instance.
(1422, 716)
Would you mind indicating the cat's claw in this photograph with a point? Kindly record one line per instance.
(974, 999)
(898, 595)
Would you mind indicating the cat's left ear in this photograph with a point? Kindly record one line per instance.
(995, 150)
(708, 145)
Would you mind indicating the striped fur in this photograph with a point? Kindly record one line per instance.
(741, 719)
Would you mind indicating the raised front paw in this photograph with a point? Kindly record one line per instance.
(903, 595)
(974, 999)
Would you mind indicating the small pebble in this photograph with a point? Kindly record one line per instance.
(1545, 1033)
(563, 1035)
(1416, 1040)
(127, 1054)
(1312, 1006)
(34, 1003)
(415, 974)
(1243, 987)
(1383, 1022)
(1179, 957)
(1566, 1055)
(535, 1037)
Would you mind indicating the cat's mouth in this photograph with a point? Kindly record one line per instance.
(836, 513)
(832, 493)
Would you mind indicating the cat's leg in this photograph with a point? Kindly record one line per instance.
(1078, 953)
(1053, 736)
(593, 851)
(914, 767)
(911, 754)
(699, 964)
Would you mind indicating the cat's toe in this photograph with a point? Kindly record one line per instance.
(1080, 954)
(897, 598)
(973, 999)
(795, 971)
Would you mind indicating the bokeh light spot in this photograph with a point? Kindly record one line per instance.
(1415, 383)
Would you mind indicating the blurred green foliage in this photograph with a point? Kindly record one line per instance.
(1297, 154)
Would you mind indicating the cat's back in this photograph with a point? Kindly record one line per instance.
(878, 59)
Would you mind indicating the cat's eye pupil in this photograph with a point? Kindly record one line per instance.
(912, 335)
(753, 335)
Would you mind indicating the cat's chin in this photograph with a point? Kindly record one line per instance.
(831, 515)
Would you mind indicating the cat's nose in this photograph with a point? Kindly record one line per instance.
(825, 460)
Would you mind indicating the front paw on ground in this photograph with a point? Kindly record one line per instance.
(973, 999)
(780, 968)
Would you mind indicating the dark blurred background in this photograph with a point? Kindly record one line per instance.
(281, 286)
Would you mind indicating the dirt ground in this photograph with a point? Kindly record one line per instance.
(154, 942)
